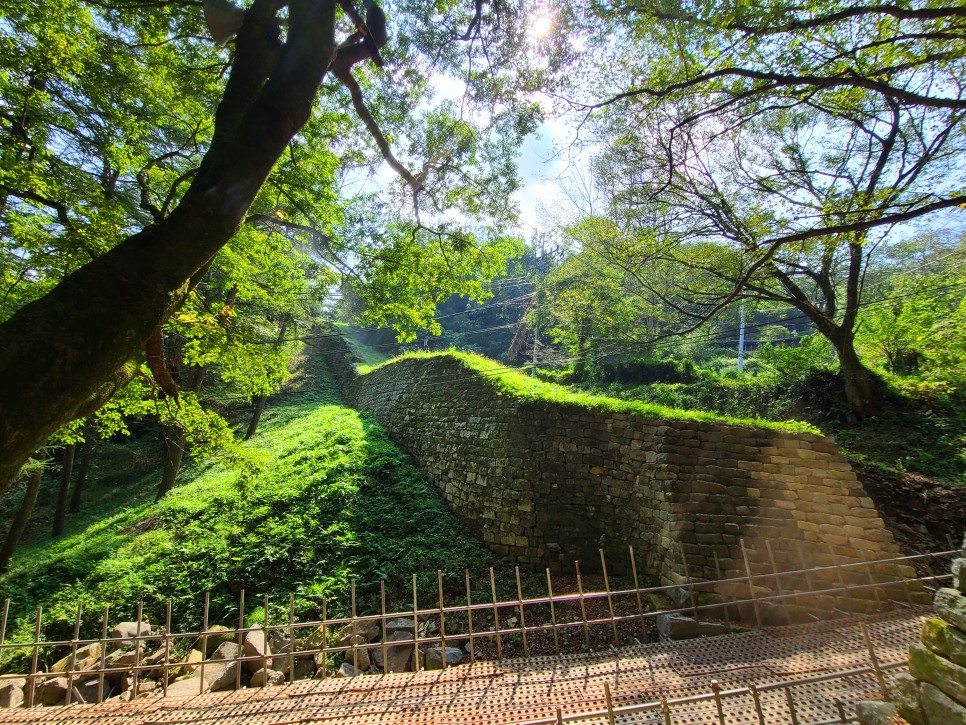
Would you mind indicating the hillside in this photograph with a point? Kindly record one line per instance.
(333, 500)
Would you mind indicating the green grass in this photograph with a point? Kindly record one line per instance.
(369, 355)
(507, 381)
(334, 500)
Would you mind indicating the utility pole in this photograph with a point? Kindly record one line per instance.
(741, 340)
(536, 308)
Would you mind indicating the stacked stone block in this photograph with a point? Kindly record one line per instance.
(549, 483)
(934, 692)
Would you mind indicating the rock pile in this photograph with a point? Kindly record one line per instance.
(395, 653)
(96, 673)
(934, 691)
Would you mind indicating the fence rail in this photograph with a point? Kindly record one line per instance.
(360, 638)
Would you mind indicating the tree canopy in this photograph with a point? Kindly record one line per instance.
(134, 150)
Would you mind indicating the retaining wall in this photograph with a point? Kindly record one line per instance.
(548, 483)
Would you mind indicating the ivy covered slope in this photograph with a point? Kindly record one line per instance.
(508, 381)
(333, 499)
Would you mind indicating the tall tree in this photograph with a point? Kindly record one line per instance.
(772, 143)
(64, 353)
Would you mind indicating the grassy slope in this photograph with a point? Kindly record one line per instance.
(512, 382)
(335, 500)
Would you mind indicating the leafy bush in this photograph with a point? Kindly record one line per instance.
(643, 371)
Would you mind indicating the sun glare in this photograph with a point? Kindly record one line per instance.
(542, 25)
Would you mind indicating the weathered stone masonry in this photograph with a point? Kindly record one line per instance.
(548, 484)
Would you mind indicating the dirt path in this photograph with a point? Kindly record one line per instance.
(516, 691)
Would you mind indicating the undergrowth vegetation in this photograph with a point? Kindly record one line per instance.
(334, 500)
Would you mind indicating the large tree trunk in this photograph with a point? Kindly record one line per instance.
(19, 522)
(260, 400)
(85, 465)
(175, 438)
(174, 449)
(56, 352)
(66, 472)
(860, 392)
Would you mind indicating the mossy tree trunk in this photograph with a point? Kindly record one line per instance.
(19, 522)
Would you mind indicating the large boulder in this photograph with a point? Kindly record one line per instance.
(124, 634)
(951, 606)
(675, 627)
(256, 645)
(959, 575)
(222, 670)
(876, 713)
(945, 640)
(941, 709)
(347, 670)
(215, 636)
(188, 687)
(51, 692)
(221, 675)
(12, 692)
(394, 657)
(905, 695)
(434, 657)
(267, 678)
(84, 659)
(89, 689)
(928, 667)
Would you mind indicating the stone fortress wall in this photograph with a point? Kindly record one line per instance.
(548, 483)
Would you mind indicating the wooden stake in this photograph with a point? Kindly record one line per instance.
(3, 622)
(496, 617)
(100, 676)
(751, 584)
(717, 571)
(842, 585)
(264, 663)
(756, 698)
(841, 708)
(523, 620)
(204, 643)
(716, 689)
(416, 624)
(880, 678)
(610, 704)
(791, 706)
(291, 635)
(137, 652)
(382, 600)
(778, 581)
(666, 711)
(804, 565)
(72, 662)
(559, 717)
(583, 608)
(239, 637)
(442, 618)
(33, 660)
(469, 613)
(325, 639)
(610, 601)
(165, 668)
(637, 589)
(687, 575)
(553, 614)
(355, 652)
